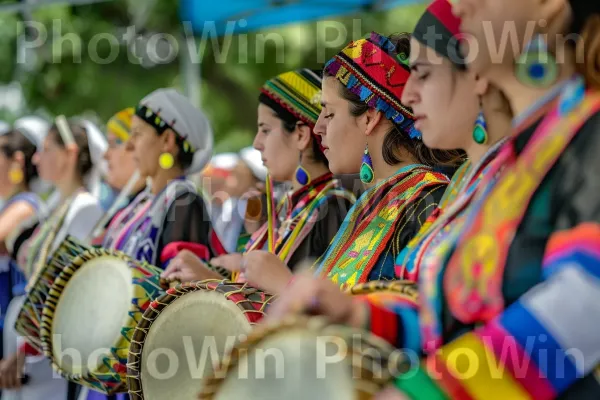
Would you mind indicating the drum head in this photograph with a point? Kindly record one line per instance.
(90, 313)
(30, 316)
(183, 334)
(305, 359)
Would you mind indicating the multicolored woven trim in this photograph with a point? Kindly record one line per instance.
(373, 70)
(154, 119)
(298, 92)
(120, 124)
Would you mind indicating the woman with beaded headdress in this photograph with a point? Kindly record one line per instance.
(518, 291)
(366, 128)
(306, 219)
(170, 139)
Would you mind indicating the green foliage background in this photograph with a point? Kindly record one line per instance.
(56, 83)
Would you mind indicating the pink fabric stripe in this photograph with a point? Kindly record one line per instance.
(588, 246)
(495, 338)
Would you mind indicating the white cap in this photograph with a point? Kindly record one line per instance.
(187, 120)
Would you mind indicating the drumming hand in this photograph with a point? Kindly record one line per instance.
(391, 393)
(317, 296)
(266, 271)
(11, 371)
(187, 267)
(231, 262)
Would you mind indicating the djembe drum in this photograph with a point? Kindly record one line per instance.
(90, 315)
(29, 320)
(306, 358)
(191, 322)
(303, 351)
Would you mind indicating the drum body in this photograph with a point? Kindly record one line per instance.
(185, 332)
(306, 358)
(29, 320)
(90, 314)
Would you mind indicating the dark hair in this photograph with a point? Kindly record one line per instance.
(84, 158)
(15, 141)
(396, 138)
(184, 158)
(588, 44)
(289, 122)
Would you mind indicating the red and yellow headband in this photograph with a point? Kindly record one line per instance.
(372, 69)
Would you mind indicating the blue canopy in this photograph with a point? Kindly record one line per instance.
(240, 16)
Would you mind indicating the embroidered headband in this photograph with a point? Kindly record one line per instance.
(154, 120)
(120, 124)
(295, 95)
(298, 92)
(373, 70)
(439, 29)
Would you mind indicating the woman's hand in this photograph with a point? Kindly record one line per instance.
(265, 271)
(231, 262)
(309, 295)
(187, 267)
(11, 371)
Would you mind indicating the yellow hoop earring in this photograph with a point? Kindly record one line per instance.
(15, 175)
(166, 161)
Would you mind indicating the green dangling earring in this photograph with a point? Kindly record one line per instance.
(536, 66)
(366, 168)
(480, 134)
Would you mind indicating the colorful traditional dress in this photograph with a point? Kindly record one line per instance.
(12, 280)
(383, 220)
(389, 214)
(447, 217)
(515, 299)
(149, 223)
(308, 219)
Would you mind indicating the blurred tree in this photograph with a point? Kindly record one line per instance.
(81, 58)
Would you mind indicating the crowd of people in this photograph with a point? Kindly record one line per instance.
(478, 188)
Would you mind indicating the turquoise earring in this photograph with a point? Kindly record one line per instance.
(480, 134)
(536, 66)
(302, 175)
(366, 168)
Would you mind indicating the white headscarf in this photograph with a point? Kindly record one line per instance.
(97, 145)
(253, 160)
(188, 121)
(224, 161)
(35, 130)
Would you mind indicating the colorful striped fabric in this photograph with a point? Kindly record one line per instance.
(120, 124)
(536, 349)
(299, 92)
(372, 223)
